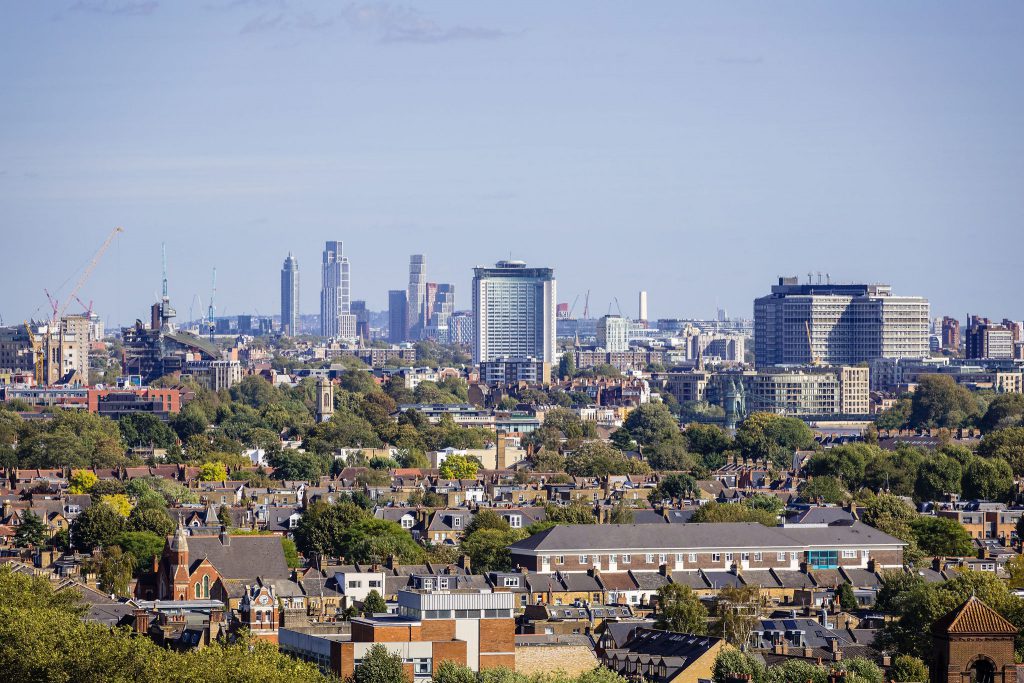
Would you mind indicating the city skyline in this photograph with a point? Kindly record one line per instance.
(869, 145)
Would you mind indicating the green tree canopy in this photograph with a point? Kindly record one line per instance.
(768, 436)
(680, 610)
(940, 402)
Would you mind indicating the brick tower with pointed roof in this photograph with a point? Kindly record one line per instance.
(973, 644)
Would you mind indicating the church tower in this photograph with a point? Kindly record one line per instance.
(324, 399)
(177, 566)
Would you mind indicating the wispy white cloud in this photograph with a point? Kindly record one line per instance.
(387, 23)
(398, 24)
(135, 8)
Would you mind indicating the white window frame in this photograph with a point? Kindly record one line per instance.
(650, 558)
(716, 557)
(692, 557)
(627, 558)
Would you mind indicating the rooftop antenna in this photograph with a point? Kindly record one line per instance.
(819, 277)
(828, 279)
(212, 309)
(810, 275)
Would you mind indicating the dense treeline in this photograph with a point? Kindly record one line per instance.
(43, 638)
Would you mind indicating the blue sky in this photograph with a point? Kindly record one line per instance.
(695, 150)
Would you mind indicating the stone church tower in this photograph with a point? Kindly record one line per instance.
(973, 644)
(324, 399)
(177, 567)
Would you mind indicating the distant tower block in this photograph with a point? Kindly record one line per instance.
(643, 307)
(324, 400)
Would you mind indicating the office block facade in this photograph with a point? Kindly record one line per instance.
(837, 324)
(514, 312)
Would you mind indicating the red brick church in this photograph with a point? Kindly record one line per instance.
(973, 644)
(212, 567)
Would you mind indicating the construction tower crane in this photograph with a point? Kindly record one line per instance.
(88, 271)
(573, 307)
(810, 346)
(212, 309)
(86, 310)
(586, 306)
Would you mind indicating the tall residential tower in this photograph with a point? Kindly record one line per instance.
(290, 296)
(336, 319)
(514, 312)
(416, 300)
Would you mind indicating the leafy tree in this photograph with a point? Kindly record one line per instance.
(119, 502)
(1007, 444)
(670, 455)
(142, 545)
(152, 519)
(1015, 568)
(567, 365)
(456, 466)
(380, 666)
(731, 662)
(847, 600)
(940, 402)
(896, 416)
(190, 421)
(576, 512)
(114, 569)
(987, 479)
(652, 423)
(707, 439)
(908, 669)
(292, 465)
(43, 638)
(485, 519)
(598, 459)
(487, 548)
(213, 471)
(673, 487)
(938, 476)
(291, 554)
(773, 437)
(450, 672)
(828, 489)
(145, 428)
(737, 613)
(680, 610)
(548, 461)
(864, 670)
(96, 526)
(891, 515)
(621, 513)
(321, 526)
(31, 532)
(717, 513)
(942, 536)
(1005, 410)
(81, 481)
(374, 604)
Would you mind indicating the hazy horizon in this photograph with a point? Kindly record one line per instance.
(696, 151)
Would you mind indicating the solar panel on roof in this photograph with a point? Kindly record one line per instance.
(789, 624)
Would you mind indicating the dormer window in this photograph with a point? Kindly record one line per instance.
(456, 522)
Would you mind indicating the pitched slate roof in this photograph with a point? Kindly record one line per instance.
(974, 617)
(622, 537)
(245, 557)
